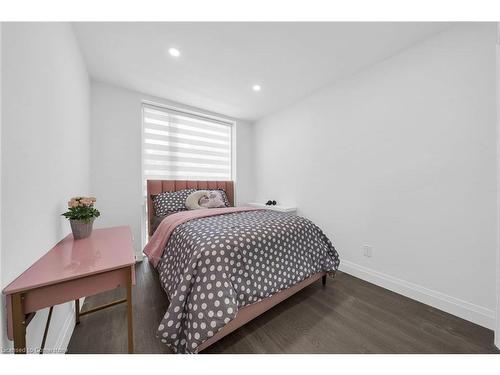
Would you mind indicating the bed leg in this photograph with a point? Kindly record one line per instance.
(323, 280)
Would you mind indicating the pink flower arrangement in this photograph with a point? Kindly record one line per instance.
(81, 208)
(81, 202)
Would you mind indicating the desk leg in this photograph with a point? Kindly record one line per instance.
(18, 324)
(129, 312)
(77, 311)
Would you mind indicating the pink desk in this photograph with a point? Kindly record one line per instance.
(71, 270)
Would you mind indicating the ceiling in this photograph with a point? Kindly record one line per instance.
(220, 62)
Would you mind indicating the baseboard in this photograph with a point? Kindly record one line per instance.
(463, 309)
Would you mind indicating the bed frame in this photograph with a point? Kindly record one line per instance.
(249, 312)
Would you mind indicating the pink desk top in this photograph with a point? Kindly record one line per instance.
(105, 250)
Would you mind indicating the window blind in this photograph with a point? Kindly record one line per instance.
(184, 146)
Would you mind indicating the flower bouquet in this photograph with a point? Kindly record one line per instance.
(81, 214)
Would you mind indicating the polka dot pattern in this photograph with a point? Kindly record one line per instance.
(170, 202)
(214, 266)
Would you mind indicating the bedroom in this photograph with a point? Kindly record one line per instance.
(249, 188)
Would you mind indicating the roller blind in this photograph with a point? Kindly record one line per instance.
(184, 146)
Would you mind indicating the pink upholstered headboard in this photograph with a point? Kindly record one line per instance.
(161, 186)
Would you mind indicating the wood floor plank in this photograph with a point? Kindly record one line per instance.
(348, 315)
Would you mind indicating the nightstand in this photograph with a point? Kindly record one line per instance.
(289, 209)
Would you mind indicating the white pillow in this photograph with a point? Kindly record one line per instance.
(214, 199)
(193, 199)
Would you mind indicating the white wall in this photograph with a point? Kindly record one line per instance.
(44, 153)
(402, 157)
(116, 128)
(245, 173)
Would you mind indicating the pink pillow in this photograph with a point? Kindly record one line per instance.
(213, 199)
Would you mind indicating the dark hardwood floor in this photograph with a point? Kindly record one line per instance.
(348, 315)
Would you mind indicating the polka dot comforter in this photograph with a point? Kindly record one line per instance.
(213, 266)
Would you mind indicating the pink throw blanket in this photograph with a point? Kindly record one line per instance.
(156, 245)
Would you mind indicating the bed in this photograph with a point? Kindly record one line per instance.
(223, 267)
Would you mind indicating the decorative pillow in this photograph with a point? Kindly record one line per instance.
(170, 202)
(224, 197)
(213, 199)
(193, 199)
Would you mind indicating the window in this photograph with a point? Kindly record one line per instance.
(185, 146)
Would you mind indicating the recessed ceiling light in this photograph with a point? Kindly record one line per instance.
(174, 52)
(256, 87)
